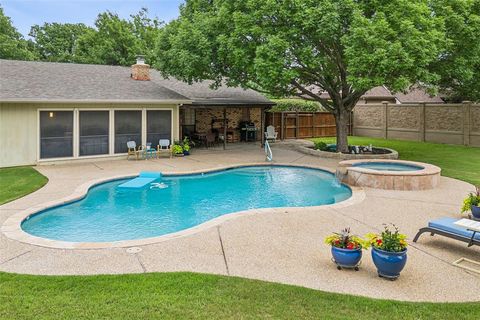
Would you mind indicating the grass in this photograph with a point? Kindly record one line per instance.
(199, 296)
(19, 181)
(456, 161)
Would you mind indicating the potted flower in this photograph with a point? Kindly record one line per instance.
(186, 146)
(472, 203)
(177, 149)
(346, 249)
(389, 252)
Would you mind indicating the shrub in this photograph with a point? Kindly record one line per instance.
(296, 105)
(320, 145)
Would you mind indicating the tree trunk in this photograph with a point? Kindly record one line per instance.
(342, 118)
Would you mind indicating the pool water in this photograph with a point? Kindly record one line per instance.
(388, 166)
(175, 203)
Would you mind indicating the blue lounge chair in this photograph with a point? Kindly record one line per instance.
(446, 227)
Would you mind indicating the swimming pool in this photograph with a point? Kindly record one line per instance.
(176, 203)
(388, 166)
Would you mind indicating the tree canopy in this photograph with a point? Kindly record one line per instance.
(305, 47)
(12, 43)
(459, 63)
(58, 41)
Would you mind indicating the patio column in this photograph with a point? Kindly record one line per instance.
(262, 126)
(224, 128)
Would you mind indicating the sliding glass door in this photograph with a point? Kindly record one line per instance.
(128, 127)
(94, 128)
(159, 126)
(56, 134)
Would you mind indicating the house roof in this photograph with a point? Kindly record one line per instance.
(32, 81)
(417, 95)
(414, 95)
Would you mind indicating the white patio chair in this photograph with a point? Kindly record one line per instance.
(271, 134)
(133, 150)
(164, 147)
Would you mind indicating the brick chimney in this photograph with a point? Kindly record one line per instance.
(140, 70)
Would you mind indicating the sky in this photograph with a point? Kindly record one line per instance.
(25, 13)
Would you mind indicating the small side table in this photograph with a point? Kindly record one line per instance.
(150, 153)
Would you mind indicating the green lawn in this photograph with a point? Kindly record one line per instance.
(190, 295)
(199, 296)
(458, 162)
(19, 181)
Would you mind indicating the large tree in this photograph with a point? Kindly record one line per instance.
(459, 63)
(117, 41)
(304, 47)
(57, 41)
(12, 43)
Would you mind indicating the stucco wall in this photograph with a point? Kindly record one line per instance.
(19, 128)
(442, 123)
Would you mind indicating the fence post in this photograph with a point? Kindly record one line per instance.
(385, 119)
(297, 126)
(421, 133)
(466, 122)
(282, 124)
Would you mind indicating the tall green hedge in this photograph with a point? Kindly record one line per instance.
(296, 105)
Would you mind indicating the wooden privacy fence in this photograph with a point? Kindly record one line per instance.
(299, 125)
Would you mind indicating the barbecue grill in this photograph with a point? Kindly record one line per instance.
(248, 131)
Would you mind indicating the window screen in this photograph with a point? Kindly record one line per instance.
(94, 132)
(128, 127)
(56, 134)
(159, 125)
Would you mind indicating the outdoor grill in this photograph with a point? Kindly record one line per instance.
(248, 131)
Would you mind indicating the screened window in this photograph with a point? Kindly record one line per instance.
(94, 132)
(56, 134)
(128, 127)
(159, 125)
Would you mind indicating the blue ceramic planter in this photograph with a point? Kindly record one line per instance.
(475, 212)
(346, 258)
(389, 264)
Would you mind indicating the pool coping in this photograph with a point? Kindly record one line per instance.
(12, 229)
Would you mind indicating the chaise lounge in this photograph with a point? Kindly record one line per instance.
(449, 227)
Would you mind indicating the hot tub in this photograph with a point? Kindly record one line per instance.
(389, 174)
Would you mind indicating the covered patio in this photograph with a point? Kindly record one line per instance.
(222, 124)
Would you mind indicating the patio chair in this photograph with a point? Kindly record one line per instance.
(210, 140)
(446, 227)
(132, 149)
(271, 134)
(164, 147)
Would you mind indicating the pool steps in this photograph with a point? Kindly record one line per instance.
(144, 178)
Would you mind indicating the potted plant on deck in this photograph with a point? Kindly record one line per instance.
(177, 149)
(346, 249)
(186, 146)
(389, 251)
(472, 203)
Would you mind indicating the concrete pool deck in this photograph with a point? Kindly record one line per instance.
(279, 245)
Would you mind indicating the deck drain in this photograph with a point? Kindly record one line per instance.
(134, 250)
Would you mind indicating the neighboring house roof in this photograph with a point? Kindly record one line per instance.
(414, 95)
(379, 92)
(417, 95)
(25, 81)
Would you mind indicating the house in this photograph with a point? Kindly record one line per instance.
(63, 111)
